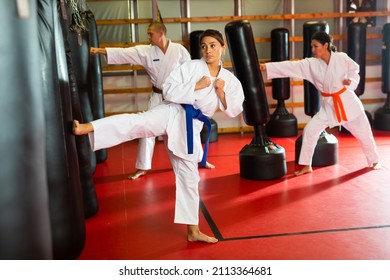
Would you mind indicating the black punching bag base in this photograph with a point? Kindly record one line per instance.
(213, 134)
(325, 153)
(382, 119)
(259, 162)
(282, 126)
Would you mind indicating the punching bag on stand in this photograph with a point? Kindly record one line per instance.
(281, 123)
(357, 51)
(326, 151)
(382, 115)
(196, 53)
(25, 232)
(261, 159)
(90, 203)
(65, 198)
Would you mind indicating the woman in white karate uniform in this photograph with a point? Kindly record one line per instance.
(159, 59)
(336, 76)
(205, 85)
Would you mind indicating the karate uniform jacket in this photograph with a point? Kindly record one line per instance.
(326, 78)
(179, 88)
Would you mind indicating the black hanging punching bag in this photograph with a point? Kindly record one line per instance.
(326, 151)
(196, 53)
(65, 198)
(79, 45)
(96, 95)
(261, 159)
(281, 123)
(90, 203)
(382, 115)
(25, 232)
(357, 51)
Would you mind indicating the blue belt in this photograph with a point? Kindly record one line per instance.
(192, 113)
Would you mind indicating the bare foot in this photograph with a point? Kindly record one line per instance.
(81, 129)
(194, 235)
(209, 165)
(305, 169)
(376, 166)
(137, 174)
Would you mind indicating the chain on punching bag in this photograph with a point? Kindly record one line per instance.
(382, 115)
(262, 159)
(25, 232)
(326, 151)
(281, 123)
(65, 198)
(90, 203)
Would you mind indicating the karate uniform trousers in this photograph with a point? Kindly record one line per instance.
(116, 129)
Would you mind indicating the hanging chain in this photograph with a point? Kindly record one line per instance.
(77, 21)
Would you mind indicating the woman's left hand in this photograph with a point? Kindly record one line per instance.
(219, 84)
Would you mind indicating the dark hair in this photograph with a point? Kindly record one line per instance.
(323, 37)
(158, 26)
(212, 33)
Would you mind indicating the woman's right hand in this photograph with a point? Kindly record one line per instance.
(204, 82)
(263, 67)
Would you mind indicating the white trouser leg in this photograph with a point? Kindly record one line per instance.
(116, 129)
(187, 193)
(145, 153)
(360, 128)
(310, 136)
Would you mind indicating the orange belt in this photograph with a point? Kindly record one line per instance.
(338, 104)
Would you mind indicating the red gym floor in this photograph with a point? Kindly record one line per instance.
(337, 212)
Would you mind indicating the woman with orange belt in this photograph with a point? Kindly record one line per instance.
(336, 76)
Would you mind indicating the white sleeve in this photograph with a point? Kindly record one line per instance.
(133, 55)
(179, 86)
(289, 69)
(234, 95)
(353, 73)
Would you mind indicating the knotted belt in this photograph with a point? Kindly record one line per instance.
(192, 113)
(156, 90)
(338, 104)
